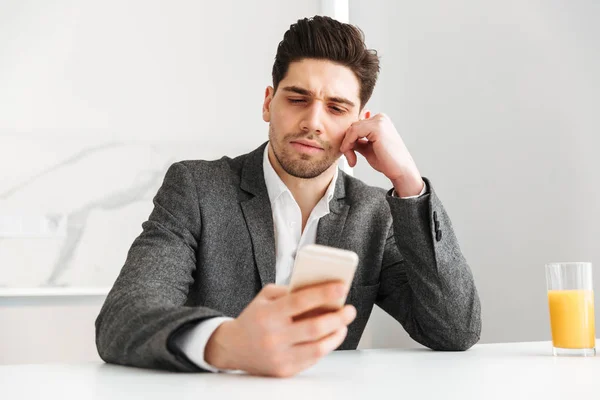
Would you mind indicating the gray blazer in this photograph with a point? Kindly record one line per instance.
(208, 248)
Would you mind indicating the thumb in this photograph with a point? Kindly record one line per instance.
(364, 148)
(273, 292)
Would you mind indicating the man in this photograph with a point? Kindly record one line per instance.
(204, 285)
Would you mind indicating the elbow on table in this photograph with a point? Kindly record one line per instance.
(102, 348)
(458, 341)
(105, 341)
(105, 355)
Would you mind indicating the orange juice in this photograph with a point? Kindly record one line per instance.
(572, 318)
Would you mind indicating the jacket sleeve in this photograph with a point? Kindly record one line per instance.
(145, 309)
(426, 283)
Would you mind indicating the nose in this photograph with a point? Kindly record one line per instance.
(312, 120)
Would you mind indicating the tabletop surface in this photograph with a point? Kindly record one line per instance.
(491, 371)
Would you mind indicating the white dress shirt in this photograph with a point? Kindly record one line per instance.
(289, 237)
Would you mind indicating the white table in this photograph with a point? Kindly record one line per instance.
(493, 371)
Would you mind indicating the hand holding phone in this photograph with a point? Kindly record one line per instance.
(286, 329)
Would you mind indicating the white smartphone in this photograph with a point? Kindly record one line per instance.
(319, 264)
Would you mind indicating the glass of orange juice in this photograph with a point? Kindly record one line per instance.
(571, 303)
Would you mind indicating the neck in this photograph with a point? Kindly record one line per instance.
(306, 192)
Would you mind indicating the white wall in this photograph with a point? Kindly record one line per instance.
(141, 70)
(97, 98)
(498, 103)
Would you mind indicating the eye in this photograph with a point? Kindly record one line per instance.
(337, 110)
(297, 101)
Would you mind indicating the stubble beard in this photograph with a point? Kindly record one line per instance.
(305, 166)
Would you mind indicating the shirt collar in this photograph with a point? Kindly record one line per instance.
(276, 187)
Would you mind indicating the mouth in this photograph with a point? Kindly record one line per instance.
(305, 147)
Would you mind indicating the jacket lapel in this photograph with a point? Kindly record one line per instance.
(259, 216)
(331, 226)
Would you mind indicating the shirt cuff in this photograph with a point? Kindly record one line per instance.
(423, 191)
(193, 342)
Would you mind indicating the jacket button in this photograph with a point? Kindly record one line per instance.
(435, 216)
(438, 235)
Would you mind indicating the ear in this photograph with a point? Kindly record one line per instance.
(365, 114)
(266, 111)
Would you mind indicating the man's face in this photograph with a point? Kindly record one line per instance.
(314, 105)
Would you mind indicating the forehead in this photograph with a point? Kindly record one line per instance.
(324, 78)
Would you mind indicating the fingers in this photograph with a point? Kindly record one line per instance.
(362, 147)
(312, 297)
(306, 355)
(314, 329)
(311, 352)
(350, 137)
(297, 358)
(273, 292)
(357, 131)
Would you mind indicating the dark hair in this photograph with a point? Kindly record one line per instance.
(322, 37)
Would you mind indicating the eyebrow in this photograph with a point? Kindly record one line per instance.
(305, 92)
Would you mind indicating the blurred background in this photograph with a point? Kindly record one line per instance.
(498, 102)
